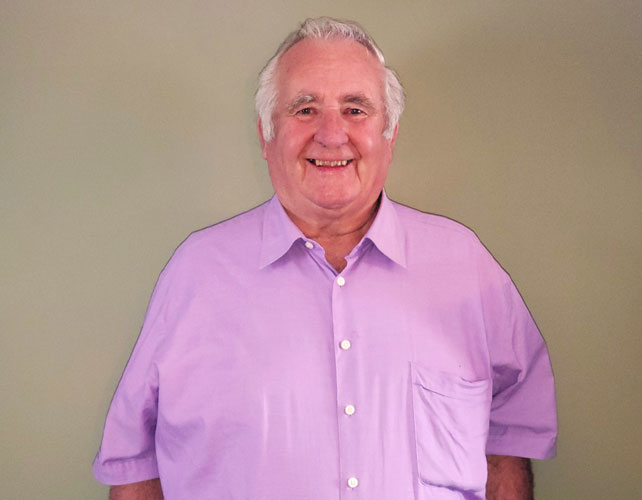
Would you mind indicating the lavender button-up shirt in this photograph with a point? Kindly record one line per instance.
(260, 373)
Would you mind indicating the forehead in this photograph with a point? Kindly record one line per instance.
(330, 69)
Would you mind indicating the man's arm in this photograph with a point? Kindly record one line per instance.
(509, 478)
(145, 490)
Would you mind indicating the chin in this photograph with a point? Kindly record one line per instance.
(335, 205)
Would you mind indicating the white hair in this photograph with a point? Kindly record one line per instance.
(327, 28)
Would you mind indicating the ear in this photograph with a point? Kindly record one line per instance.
(393, 139)
(259, 128)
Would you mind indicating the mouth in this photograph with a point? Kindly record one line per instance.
(328, 163)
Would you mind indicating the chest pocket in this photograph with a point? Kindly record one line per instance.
(451, 427)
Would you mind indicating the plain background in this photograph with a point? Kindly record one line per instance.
(125, 125)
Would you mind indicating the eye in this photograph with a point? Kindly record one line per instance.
(304, 111)
(356, 112)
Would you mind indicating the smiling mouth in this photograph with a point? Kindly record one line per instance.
(329, 163)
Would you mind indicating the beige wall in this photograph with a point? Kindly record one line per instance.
(127, 124)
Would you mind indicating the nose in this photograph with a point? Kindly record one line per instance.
(331, 132)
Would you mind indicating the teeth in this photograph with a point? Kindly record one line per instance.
(327, 163)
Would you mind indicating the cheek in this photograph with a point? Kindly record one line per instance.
(282, 165)
(375, 148)
(369, 136)
(289, 144)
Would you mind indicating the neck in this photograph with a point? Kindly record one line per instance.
(337, 235)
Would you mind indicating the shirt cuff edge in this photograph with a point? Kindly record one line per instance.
(125, 471)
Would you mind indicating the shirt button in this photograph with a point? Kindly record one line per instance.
(345, 344)
(349, 409)
(353, 482)
(341, 281)
(309, 245)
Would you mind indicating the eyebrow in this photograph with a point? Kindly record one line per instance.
(300, 101)
(361, 100)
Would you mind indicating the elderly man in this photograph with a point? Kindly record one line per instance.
(331, 344)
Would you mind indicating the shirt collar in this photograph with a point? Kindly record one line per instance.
(280, 233)
(387, 233)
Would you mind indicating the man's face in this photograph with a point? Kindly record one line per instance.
(328, 158)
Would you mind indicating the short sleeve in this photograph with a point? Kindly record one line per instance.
(523, 418)
(127, 453)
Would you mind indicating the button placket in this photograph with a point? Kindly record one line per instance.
(346, 364)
